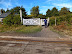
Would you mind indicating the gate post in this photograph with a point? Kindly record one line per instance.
(55, 21)
(21, 16)
(40, 22)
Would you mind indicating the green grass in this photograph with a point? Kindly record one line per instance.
(21, 29)
(29, 29)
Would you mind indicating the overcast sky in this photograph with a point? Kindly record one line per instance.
(43, 4)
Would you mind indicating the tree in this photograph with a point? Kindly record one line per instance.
(35, 11)
(41, 16)
(7, 10)
(48, 13)
(2, 11)
(16, 10)
(54, 12)
(64, 11)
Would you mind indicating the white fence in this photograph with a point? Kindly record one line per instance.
(33, 21)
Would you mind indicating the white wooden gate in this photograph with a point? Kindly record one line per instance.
(42, 21)
(34, 21)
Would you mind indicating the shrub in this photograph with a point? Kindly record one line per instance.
(12, 20)
(52, 21)
(60, 19)
(16, 20)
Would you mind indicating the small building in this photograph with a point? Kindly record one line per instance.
(3, 15)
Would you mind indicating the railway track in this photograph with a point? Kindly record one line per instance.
(37, 39)
(23, 45)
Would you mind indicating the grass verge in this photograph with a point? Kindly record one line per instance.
(62, 30)
(29, 29)
(20, 29)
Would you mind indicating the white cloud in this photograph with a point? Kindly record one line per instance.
(46, 7)
(56, 1)
(6, 4)
(63, 5)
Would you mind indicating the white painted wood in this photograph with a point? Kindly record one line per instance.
(42, 21)
(21, 15)
(34, 21)
(48, 20)
(55, 21)
(0, 12)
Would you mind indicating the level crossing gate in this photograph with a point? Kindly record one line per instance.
(33, 21)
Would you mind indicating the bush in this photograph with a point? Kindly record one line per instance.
(12, 20)
(60, 19)
(16, 20)
(52, 21)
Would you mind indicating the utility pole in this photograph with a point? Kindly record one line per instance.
(21, 15)
(55, 21)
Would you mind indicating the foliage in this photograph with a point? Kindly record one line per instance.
(41, 16)
(52, 21)
(48, 13)
(7, 10)
(35, 11)
(61, 26)
(54, 12)
(16, 20)
(12, 20)
(60, 19)
(64, 11)
(2, 11)
(16, 10)
(29, 16)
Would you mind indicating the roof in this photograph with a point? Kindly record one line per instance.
(4, 15)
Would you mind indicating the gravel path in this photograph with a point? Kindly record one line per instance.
(45, 32)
